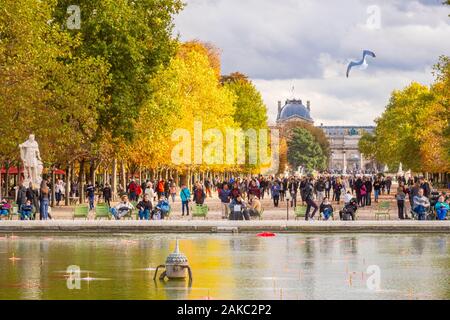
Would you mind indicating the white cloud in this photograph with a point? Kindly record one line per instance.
(307, 43)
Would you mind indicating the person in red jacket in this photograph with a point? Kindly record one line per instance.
(132, 188)
(160, 188)
(138, 192)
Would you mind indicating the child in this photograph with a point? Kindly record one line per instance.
(326, 209)
(5, 207)
(26, 211)
(442, 208)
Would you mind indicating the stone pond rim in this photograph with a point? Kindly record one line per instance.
(200, 226)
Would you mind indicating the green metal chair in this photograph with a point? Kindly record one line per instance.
(300, 212)
(133, 213)
(14, 212)
(331, 217)
(200, 211)
(260, 214)
(167, 216)
(81, 212)
(102, 212)
(384, 209)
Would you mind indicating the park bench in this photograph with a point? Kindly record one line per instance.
(383, 209)
(81, 212)
(200, 211)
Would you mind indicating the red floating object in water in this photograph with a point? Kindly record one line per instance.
(266, 234)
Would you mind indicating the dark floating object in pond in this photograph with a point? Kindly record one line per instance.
(176, 265)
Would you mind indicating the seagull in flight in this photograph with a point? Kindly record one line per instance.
(362, 62)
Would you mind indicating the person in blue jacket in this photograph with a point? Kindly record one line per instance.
(442, 208)
(225, 198)
(26, 211)
(276, 194)
(185, 196)
(162, 209)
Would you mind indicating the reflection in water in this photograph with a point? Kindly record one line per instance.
(228, 266)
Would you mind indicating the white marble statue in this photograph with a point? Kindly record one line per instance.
(32, 163)
(400, 170)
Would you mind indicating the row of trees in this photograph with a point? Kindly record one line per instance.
(415, 128)
(108, 96)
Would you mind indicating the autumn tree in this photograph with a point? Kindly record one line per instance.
(413, 130)
(135, 39)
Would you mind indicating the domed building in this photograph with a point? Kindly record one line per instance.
(345, 156)
(294, 110)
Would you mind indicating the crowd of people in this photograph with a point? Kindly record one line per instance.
(241, 197)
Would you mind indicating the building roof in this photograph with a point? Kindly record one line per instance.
(294, 109)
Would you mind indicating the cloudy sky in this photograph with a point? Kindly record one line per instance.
(307, 44)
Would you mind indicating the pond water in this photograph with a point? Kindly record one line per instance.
(225, 266)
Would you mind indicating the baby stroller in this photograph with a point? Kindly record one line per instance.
(349, 211)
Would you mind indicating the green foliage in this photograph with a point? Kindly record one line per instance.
(317, 133)
(304, 150)
(414, 129)
(134, 38)
(43, 88)
(251, 113)
(118, 87)
(367, 145)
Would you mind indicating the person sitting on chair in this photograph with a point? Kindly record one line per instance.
(5, 207)
(348, 197)
(26, 211)
(349, 210)
(421, 205)
(145, 207)
(255, 206)
(239, 209)
(122, 209)
(442, 207)
(326, 209)
(162, 209)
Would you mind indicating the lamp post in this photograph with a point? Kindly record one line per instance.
(288, 198)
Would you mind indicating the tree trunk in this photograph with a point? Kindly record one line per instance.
(81, 182)
(67, 191)
(7, 178)
(92, 170)
(123, 176)
(189, 179)
(53, 187)
(114, 179)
